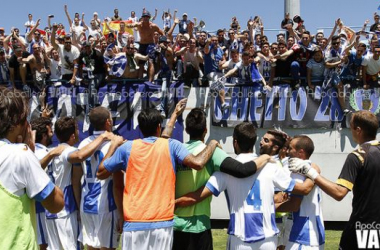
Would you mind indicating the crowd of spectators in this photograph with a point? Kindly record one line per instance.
(95, 51)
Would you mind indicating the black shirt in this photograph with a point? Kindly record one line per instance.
(13, 63)
(94, 61)
(361, 174)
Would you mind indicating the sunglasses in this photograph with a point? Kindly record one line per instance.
(335, 43)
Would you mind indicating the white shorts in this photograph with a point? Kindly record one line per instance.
(63, 232)
(157, 239)
(285, 227)
(41, 228)
(297, 246)
(234, 243)
(99, 230)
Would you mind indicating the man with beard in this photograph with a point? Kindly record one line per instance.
(44, 135)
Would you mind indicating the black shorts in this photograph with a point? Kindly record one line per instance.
(192, 241)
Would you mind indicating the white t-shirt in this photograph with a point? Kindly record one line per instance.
(66, 58)
(77, 30)
(373, 66)
(94, 33)
(20, 170)
(167, 22)
(97, 195)
(55, 69)
(317, 68)
(250, 200)
(61, 175)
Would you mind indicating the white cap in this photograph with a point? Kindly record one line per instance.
(184, 14)
(95, 13)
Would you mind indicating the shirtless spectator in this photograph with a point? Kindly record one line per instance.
(132, 67)
(235, 24)
(146, 30)
(116, 16)
(192, 60)
(39, 64)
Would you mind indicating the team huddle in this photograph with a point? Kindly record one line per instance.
(156, 191)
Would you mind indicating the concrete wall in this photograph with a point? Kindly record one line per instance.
(331, 149)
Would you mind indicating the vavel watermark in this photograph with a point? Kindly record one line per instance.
(368, 235)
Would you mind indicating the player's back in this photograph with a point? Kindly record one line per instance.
(97, 195)
(251, 201)
(61, 172)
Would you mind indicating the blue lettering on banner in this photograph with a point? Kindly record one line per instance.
(283, 93)
(285, 107)
(320, 115)
(298, 101)
(256, 103)
(239, 104)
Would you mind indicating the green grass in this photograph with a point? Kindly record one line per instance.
(220, 239)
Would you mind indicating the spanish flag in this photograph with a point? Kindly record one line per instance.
(115, 25)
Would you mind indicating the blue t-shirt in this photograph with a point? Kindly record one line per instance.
(211, 60)
(353, 65)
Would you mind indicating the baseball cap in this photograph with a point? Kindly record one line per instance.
(96, 13)
(145, 14)
(297, 19)
(1, 29)
(184, 14)
(163, 39)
